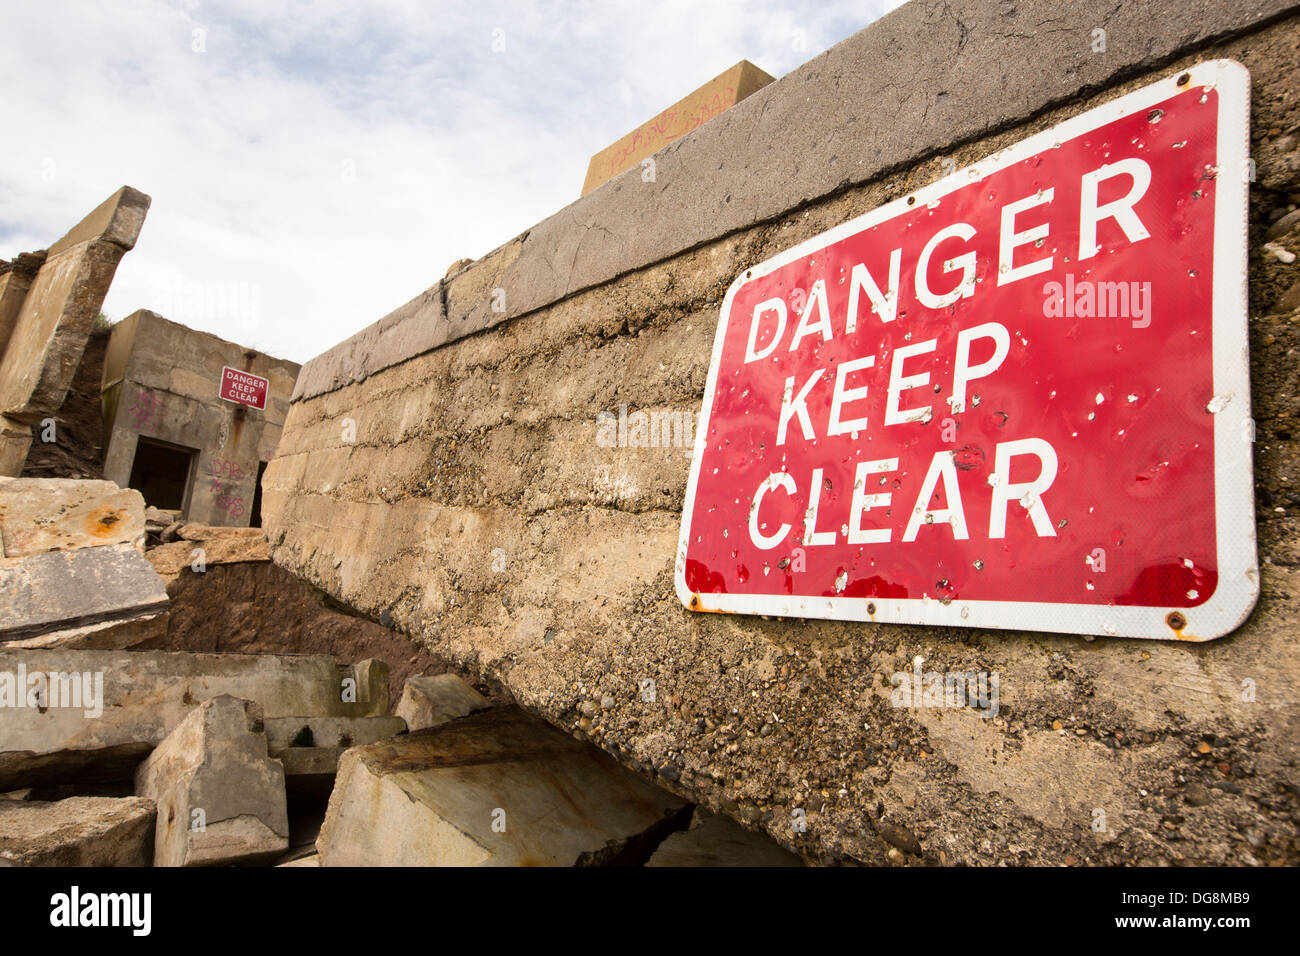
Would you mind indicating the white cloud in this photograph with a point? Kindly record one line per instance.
(316, 165)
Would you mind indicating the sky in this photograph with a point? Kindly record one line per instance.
(315, 165)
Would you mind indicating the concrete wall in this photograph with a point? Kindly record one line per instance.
(473, 507)
(161, 381)
(46, 318)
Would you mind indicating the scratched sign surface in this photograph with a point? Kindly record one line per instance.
(1017, 398)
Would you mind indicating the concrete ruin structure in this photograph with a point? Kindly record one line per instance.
(171, 436)
(48, 305)
(440, 470)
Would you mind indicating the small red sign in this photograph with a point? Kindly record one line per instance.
(244, 388)
(1016, 398)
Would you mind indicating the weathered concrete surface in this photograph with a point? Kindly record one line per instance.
(170, 559)
(58, 590)
(58, 310)
(62, 514)
(431, 799)
(713, 840)
(313, 745)
(141, 696)
(161, 381)
(930, 77)
(488, 445)
(220, 798)
(78, 831)
(430, 701)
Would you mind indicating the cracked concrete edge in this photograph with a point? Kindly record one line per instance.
(927, 77)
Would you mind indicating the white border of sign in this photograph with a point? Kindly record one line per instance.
(265, 393)
(1238, 585)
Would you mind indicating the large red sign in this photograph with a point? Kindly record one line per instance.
(1017, 398)
(243, 387)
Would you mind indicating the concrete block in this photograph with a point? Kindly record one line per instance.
(191, 531)
(498, 788)
(57, 590)
(78, 831)
(128, 701)
(63, 514)
(313, 745)
(171, 559)
(430, 701)
(714, 840)
(104, 636)
(220, 797)
(693, 110)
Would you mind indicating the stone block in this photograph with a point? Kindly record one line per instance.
(126, 702)
(63, 514)
(220, 797)
(430, 701)
(57, 590)
(313, 745)
(497, 788)
(714, 840)
(78, 831)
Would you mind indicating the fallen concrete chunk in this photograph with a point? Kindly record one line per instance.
(191, 531)
(105, 710)
(78, 831)
(64, 514)
(171, 559)
(714, 840)
(105, 636)
(498, 788)
(313, 745)
(57, 590)
(430, 701)
(220, 797)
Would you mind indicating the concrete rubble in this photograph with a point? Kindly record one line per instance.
(313, 745)
(138, 697)
(78, 831)
(72, 566)
(430, 701)
(714, 840)
(497, 788)
(199, 546)
(220, 797)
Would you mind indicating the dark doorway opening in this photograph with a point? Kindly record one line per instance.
(255, 516)
(161, 473)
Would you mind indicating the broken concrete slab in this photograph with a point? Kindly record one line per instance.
(313, 745)
(56, 590)
(220, 796)
(169, 560)
(104, 636)
(64, 514)
(713, 840)
(428, 701)
(497, 788)
(78, 831)
(106, 710)
(56, 315)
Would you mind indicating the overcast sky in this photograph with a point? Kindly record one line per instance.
(315, 165)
